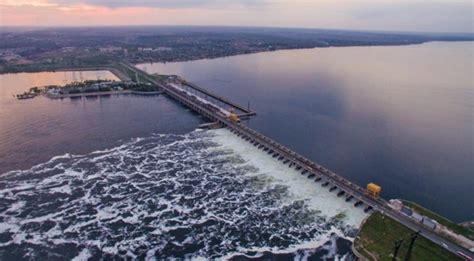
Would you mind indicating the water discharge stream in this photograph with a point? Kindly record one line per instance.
(205, 194)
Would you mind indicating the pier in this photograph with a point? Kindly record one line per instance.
(329, 180)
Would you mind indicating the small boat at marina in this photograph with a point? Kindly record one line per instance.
(25, 96)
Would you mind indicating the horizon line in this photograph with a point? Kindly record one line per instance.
(234, 26)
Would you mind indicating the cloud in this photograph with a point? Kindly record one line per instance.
(454, 16)
(162, 3)
(19, 3)
(385, 15)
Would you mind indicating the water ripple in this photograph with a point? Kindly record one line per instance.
(181, 196)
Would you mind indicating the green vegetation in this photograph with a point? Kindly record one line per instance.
(49, 49)
(85, 83)
(75, 91)
(129, 73)
(63, 62)
(89, 86)
(378, 234)
(458, 229)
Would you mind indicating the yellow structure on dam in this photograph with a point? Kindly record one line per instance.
(232, 116)
(373, 190)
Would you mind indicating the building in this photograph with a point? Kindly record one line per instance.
(373, 190)
(68, 49)
(110, 49)
(157, 49)
(417, 217)
(396, 204)
(429, 223)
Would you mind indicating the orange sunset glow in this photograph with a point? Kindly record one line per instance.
(444, 16)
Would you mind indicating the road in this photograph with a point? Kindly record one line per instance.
(300, 161)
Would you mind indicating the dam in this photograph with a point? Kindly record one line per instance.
(335, 183)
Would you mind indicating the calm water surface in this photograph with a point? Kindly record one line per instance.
(35, 130)
(129, 177)
(398, 116)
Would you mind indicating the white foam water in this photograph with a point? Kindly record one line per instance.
(300, 188)
(203, 195)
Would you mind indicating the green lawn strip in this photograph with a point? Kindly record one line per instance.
(440, 219)
(379, 233)
(131, 74)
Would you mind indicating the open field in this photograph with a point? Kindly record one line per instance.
(378, 234)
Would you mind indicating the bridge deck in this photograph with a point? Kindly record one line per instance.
(247, 111)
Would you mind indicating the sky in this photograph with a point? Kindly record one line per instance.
(382, 15)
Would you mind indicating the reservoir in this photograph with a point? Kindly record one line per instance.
(129, 176)
(399, 116)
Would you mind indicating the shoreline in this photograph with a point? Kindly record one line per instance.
(89, 94)
(124, 77)
(295, 49)
(376, 237)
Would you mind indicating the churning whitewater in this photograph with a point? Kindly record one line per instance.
(206, 194)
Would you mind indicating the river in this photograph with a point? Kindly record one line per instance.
(399, 116)
(130, 176)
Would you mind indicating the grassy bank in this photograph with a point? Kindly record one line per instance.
(378, 234)
(129, 73)
(458, 229)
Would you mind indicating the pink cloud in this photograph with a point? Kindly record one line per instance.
(403, 15)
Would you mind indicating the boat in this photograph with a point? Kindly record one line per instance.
(24, 96)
